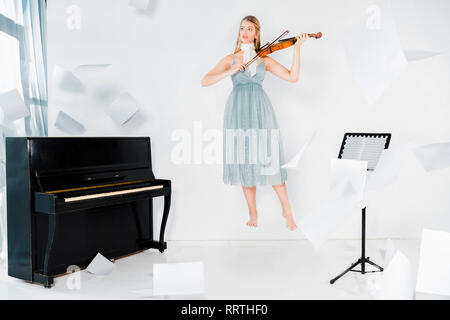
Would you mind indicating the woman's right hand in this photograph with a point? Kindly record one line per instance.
(237, 67)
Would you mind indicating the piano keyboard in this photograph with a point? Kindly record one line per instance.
(109, 194)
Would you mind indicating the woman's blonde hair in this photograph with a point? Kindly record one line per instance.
(257, 40)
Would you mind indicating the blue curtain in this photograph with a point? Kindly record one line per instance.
(32, 39)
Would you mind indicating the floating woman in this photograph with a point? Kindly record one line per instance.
(252, 147)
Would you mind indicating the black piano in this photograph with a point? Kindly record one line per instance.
(71, 198)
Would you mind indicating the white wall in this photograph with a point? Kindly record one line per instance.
(160, 59)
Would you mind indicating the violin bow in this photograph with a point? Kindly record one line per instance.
(269, 44)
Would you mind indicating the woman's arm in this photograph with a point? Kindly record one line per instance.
(221, 70)
(280, 71)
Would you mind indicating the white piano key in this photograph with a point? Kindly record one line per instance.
(66, 123)
(13, 105)
(100, 266)
(373, 51)
(397, 279)
(123, 108)
(433, 275)
(178, 278)
(112, 193)
(293, 163)
(66, 80)
(433, 156)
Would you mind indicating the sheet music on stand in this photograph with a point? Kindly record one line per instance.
(358, 146)
(366, 147)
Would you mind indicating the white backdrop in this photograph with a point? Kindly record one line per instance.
(160, 56)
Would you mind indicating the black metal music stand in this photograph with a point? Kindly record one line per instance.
(368, 147)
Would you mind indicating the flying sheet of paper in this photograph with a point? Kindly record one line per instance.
(345, 195)
(178, 278)
(423, 24)
(139, 4)
(433, 275)
(388, 252)
(373, 51)
(90, 74)
(353, 171)
(89, 69)
(397, 280)
(13, 105)
(388, 168)
(100, 266)
(293, 163)
(66, 80)
(66, 123)
(123, 108)
(433, 156)
(321, 223)
(415, 55)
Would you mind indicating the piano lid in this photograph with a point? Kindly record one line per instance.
(58, 163)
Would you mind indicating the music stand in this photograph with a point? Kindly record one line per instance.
(368, 147)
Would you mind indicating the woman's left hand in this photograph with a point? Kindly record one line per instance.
(300, 39)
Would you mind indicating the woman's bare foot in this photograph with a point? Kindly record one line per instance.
(253, 222)
(290, 223)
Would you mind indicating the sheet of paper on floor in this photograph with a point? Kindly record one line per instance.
(13, 105)
(433, 275)
(373, 51)
(100, 266)
(66, 123)
(65, 80)
(397, 279)
(178, 278)
(293, 163)
(123, 108)
(433, 156)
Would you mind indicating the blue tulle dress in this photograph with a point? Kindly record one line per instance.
(252, 146)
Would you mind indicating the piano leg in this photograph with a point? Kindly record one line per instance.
(45, 278)
(150, 219)
(163, 222)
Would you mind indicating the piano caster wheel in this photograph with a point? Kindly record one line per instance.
(161, 250)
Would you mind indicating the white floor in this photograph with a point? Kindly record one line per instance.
(233, 270)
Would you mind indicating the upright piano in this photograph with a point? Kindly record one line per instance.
(71, 198)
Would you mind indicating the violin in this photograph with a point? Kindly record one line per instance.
(281, 44)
